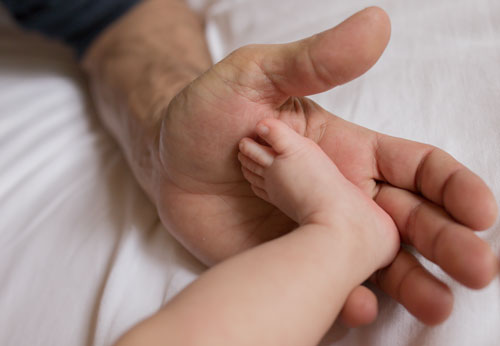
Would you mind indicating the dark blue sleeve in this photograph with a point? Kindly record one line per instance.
(76, 22)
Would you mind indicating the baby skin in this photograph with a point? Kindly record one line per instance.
(294, 174)
(290, 290)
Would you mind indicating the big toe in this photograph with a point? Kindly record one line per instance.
(279, 135)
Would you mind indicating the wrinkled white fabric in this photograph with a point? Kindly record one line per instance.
(82, 253)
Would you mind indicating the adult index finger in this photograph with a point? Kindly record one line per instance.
(438, 177)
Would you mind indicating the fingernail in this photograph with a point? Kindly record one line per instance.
(262, 129)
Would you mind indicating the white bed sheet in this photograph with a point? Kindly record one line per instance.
(83, 255)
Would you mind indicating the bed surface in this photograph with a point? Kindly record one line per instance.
(83, 255)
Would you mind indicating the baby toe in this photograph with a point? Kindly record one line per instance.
(259, 153)
(260, 193)
(278, 135)
(252, 178)
(250, 164)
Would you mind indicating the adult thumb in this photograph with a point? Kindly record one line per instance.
(320, 62)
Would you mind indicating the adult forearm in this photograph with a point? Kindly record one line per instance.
(136, 67)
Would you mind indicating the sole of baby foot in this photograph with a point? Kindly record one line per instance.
(294, 174)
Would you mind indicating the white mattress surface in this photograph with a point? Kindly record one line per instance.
(83, 255)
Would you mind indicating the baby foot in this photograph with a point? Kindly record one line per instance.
(295, 175)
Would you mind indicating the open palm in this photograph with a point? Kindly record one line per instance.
(208, 205)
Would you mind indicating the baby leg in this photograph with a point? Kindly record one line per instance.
(294, 174)
(290, 290)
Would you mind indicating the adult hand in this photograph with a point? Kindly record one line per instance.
(206, 203)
